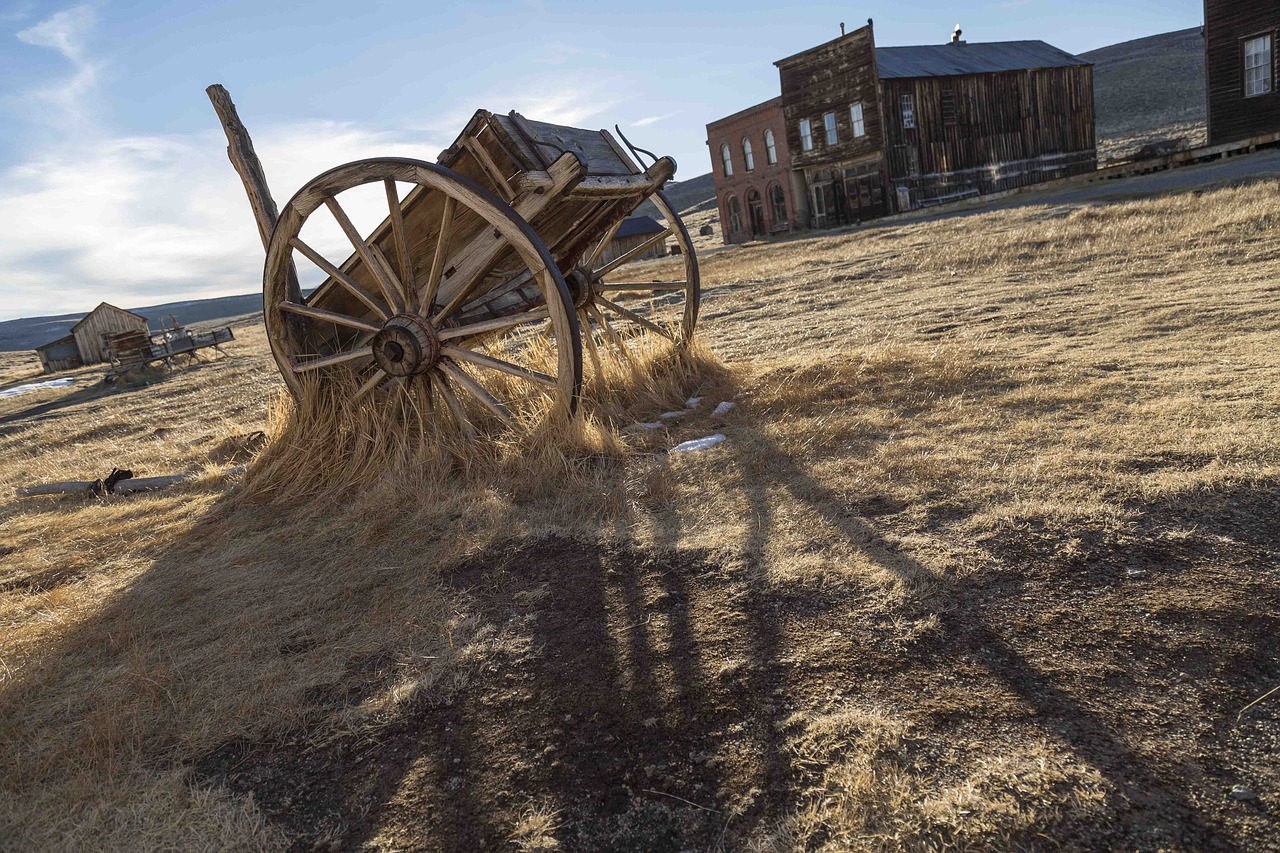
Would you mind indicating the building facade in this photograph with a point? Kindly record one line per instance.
(1240, 68)
(752, 171)
(633, 232)
(878, 130)
(59, 355)
(92, 332)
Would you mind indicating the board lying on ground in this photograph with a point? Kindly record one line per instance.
(484, 282)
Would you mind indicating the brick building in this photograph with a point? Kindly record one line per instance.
(751, 168)
(878, 130)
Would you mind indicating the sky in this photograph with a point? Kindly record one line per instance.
(114, 182)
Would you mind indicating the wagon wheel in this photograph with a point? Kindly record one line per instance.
(615, 312)
(441, 303)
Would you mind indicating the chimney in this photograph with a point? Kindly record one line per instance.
(955, 35)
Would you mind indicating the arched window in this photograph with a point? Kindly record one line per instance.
(746, 155)
(727, 159)
(770, 149)
(778, 205)
(735, 216)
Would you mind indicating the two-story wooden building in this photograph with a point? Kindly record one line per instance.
(881, 130)
(1243, 99)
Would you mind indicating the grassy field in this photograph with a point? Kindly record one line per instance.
(988, 560)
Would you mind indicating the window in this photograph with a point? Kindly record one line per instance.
(746, 155)
(727, 160)
(908, 112)
(770, 150)
(735, 215)
(778, 205)
(806, 135)
(948, 105)
(1257, 66)
(859, 124)
(829, 121)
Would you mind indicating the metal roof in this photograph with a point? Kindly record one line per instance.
(947, 60)
(638, 225)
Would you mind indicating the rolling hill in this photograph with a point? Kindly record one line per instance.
(1148, 83)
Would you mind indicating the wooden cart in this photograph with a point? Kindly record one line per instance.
(485, 281)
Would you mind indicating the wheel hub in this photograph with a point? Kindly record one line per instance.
(581, 286)
(406, 345)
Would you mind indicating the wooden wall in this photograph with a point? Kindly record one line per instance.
(103, 320)
(983, 133)
(621, 245)
(829, 78)
(59, 355)
(1228, 23)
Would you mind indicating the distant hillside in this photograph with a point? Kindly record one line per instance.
(683, 195)
(1148, 83)
(28, 333)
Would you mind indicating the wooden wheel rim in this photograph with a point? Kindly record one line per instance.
(598, 304)
(279, 285)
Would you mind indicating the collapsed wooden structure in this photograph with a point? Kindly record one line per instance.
(483, 283)
(132, 350)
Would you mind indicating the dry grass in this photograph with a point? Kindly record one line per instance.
(944, 432)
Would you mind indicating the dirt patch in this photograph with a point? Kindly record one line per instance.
(675, 701)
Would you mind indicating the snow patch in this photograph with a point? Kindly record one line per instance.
(699, 443)
(35, 386)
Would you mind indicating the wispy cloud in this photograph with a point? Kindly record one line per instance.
(68, 33)
(648, 120)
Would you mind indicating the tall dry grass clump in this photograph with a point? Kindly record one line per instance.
(325, 443)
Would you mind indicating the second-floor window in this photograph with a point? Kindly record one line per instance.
(1257, 66)
(727, 159)
(746, 155)
(806, 135)
(770, 150)
(908, 112)
(855, 117)
(829, 122)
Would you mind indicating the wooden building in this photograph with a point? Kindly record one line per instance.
(751, 169)
(1240, 68)
(631, 233)
(876, 130)
(59, 355)
(92, 332)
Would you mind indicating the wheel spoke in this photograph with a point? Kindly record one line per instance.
(342, 278)
(461, 354)
(397, 233)
(453, 404)
(490, 168)
(603, 244)
(328, 316)
(437, 261)
(374, 381)
(381, 274)
(603, 322)
(634, 317)
(633, 252)
(589, 339)
(673, 286)
(494, 325)
(330, 360)
(478, 391)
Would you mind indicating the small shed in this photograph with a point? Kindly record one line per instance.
(92, 332)
(58, 355)
(634, 231)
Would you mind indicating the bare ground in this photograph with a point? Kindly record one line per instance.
(988, 561)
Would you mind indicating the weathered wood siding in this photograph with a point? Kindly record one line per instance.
(90, 333)
(981, 133)
(828, 79)
(621, 245)
(58, 355)
(1228, 23)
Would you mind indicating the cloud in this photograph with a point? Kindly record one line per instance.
(67, 32)
(137, 220)
(648, 120)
